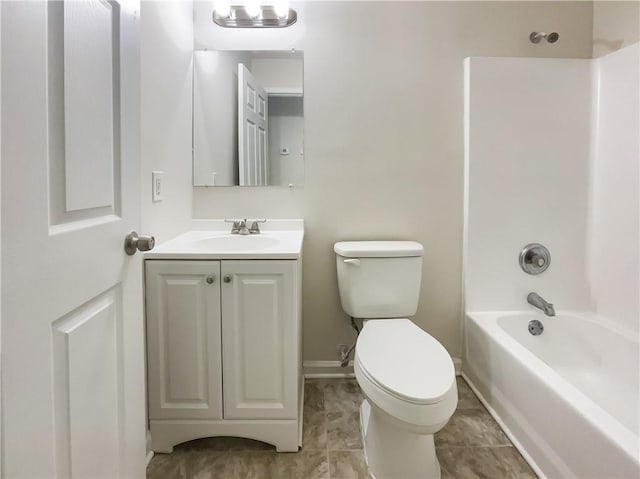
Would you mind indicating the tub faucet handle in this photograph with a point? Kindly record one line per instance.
(534, 258)
(538, 260)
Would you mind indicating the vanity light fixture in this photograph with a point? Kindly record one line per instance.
(253, 15)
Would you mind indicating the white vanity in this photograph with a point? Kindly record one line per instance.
(224, 335)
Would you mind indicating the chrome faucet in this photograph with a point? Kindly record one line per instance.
(536, 300)
(240, 227)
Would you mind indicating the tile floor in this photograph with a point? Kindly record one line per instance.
(471, 446)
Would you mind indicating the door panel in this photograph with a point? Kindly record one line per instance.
(183, 339)
(252, 129)
(89, 94)
(83, 113)
(72, 339)
(86, 346)
(259, 334)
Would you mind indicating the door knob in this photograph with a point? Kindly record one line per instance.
(227, 278)
(211, 279)
(133, 243)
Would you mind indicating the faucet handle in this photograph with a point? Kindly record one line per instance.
(255, 228)
(235, 228)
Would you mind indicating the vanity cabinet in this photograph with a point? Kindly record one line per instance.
(223, 349)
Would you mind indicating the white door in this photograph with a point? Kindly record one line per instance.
(252, 130)
(259, 339)
(72, 330)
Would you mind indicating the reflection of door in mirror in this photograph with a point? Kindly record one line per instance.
(223, 132)
(253, 165)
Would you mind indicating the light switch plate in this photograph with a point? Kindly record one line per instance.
(157, 186)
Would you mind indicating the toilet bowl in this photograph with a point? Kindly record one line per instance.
(408, 380)
(406, 375)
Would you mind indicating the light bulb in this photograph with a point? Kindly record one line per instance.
(281, 7)
(252, 7)
(222, 8)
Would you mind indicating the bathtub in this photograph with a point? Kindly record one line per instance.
(568, 399)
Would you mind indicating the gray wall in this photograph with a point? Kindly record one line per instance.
(286, 130)
(166, 45)
(615, 25)
(215, 116)
(383, 104)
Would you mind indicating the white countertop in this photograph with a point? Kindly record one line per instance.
(211, 239)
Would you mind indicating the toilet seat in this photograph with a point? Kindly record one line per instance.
(406, 372)
(405, 361)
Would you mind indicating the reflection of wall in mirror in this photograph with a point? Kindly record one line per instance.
(278, 73)
(215, 124)
(286, 162)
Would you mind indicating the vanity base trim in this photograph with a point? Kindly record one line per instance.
(166, 433)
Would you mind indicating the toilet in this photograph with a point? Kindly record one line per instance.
(406, 375)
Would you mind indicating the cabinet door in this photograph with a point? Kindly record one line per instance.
(259, 339)
(183, 339)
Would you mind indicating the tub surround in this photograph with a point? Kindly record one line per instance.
(526, 115)
(613, 262)
(568, 397)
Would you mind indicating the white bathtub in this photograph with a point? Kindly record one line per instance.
(568, 398)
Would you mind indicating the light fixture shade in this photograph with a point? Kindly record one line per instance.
(281, 7)
(222, 8)
(252, 7)
(267, 17)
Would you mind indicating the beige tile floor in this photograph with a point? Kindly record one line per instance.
(471, 446)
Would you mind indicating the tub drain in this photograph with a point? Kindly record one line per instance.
(536, 327)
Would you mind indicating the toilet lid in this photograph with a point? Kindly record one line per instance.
(405, 361)
(378, 249)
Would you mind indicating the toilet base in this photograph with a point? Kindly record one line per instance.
(393, 452)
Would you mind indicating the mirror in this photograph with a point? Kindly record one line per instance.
(248, 118)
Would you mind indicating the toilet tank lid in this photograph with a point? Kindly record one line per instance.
(378, 249)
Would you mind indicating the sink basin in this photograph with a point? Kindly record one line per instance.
(236, 243)
(211, 239)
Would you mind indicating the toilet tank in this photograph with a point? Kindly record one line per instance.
(379, 279)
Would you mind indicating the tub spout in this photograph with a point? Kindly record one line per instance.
(536, 300)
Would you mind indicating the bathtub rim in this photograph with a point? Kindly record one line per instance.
(614, 430)
(588, 316)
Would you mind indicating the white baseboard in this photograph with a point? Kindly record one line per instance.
(457, 364)
(332, 369)
(326, 369)
(148, 448)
